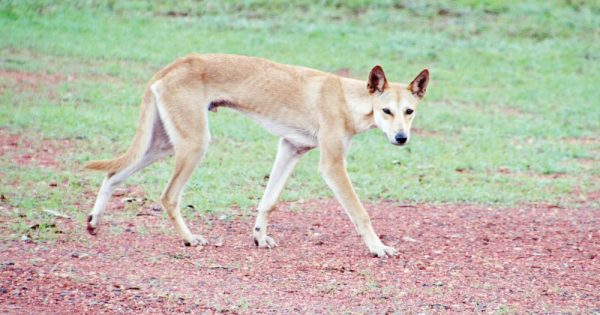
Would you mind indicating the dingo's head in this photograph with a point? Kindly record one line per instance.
(395, 105)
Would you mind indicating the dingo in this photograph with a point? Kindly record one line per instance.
(305, 107)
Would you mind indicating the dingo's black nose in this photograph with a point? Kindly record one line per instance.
(401, 138)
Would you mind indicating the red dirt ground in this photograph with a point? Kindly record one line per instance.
(454, 258)
(23, 81)
(23, 151)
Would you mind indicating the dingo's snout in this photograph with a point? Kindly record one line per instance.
(401, 138)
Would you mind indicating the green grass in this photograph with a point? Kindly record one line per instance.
(514, 88)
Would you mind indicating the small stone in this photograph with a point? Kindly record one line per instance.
(409, 239)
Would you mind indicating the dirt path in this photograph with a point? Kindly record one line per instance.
(453, 258)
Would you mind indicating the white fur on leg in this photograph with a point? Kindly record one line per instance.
(288, 156)
(104, 195)
(155, 149)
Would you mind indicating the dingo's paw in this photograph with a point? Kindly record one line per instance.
(195, 240)
(264, 241)
(92, 224)
(261, 239)
(383, 251)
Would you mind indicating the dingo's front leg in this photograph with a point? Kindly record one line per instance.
(333, 169)
(288, 156)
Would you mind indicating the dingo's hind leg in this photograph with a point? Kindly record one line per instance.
(187, 157)
(187, 126)
(157, 147)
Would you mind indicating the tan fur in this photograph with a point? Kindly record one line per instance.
(305, 107)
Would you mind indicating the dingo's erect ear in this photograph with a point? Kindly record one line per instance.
(377, 81)
(418, 86)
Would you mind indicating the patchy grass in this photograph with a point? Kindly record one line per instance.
(512, 115)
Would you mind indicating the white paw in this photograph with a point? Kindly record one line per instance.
(383, 251)
(264, 241)
(261, 239)
(195, 240)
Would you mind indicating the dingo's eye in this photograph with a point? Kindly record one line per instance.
(409, 111)
(387, 111)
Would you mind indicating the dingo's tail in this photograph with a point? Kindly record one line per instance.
(139, 144)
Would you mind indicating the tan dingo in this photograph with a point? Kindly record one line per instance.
(306, 108)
